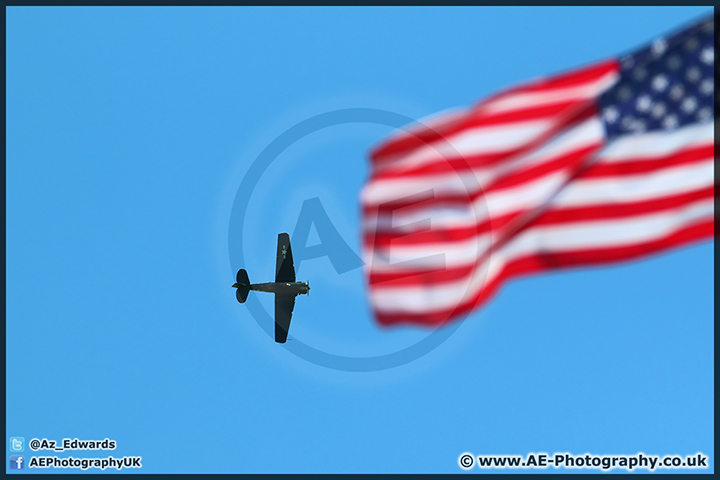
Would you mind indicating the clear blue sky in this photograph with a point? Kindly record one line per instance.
(129, 132)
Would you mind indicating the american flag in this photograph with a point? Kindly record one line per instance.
(609, 162)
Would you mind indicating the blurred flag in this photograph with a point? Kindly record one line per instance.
(605, 163)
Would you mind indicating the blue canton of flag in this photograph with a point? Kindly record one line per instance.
(664, 86)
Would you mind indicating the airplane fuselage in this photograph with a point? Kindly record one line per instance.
(283, 288)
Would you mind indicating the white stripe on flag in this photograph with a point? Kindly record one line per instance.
(548, 97)
(473, 141)
(626, 232)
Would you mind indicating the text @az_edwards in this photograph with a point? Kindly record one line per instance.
(72, 444)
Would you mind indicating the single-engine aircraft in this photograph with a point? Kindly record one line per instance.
(284, 287)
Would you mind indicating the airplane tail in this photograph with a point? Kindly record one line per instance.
(243, 288)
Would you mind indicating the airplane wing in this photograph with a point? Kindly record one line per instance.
(284, 268)
(283, 314)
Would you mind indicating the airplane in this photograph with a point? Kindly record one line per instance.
(284, 287)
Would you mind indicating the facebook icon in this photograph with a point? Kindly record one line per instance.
(17, 462)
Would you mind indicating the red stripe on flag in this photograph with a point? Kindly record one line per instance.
(419, 136)
(555, 216)
(575, 78)
(598, 170)
(543, 262)
(454, 163)
(648, 165)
